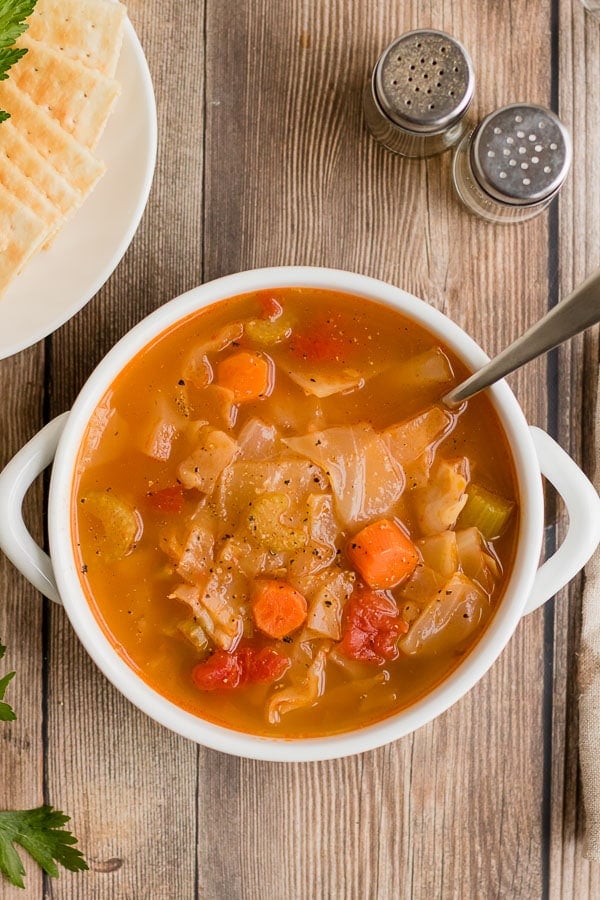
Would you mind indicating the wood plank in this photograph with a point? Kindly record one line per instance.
(21, 612)
(292, 177)
(128, 783)
(571, 875)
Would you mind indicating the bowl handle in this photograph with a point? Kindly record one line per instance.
(583, 507)
(15, 481)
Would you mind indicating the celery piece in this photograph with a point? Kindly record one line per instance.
(268, 332)
(487, 511)
(195, 633)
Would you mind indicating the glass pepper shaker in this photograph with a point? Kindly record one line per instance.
(419, 92)
(512, 165)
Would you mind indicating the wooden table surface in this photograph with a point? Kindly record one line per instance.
(264, 159)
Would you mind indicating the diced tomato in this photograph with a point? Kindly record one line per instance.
(371, 626)
(270, 307)
(318, 346)
(223, 671)
(263, 666)
(326, 340)
(169, 499)
(220, 672)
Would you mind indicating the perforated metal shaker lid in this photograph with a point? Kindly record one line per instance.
(424, 81)
(521, 154)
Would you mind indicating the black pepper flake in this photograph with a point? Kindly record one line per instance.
(328, 603)
(181, 382)
(83, 569)
(313, 380)
(287, 481)
(287, 639)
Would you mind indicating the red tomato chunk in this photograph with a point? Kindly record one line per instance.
(270, 307)
(371, 627)
(224, 671)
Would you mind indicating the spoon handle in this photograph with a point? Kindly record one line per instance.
(578, 311)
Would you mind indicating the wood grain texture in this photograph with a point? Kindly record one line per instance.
(578, 254)
(263, 160)
(21, 609)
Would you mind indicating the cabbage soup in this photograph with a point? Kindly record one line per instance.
(279, 526)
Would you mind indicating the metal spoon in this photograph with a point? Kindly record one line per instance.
(579, 311)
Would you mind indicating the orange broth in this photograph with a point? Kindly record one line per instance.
(133, 549)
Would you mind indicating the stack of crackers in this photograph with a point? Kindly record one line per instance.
(59, 96)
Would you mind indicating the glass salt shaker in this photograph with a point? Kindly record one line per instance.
(419, 92)
(512, 165)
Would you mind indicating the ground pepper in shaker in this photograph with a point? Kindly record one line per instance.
(511, 166)
(419, 92)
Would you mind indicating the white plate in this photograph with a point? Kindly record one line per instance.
(60, 281)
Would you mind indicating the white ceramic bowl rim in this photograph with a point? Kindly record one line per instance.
(476, 663)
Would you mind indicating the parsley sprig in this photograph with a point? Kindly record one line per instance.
(7, 713)
(13, 14)
(39, 831)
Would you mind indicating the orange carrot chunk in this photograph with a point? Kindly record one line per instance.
(247, 375)
(382, 554)
(278, 608)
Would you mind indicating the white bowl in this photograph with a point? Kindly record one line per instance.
(534, 454)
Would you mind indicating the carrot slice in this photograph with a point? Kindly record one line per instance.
(247, 375)
(278, 608)
(382, 554)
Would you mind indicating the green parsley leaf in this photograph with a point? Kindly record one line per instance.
(7, 713)
(39, 831)
(13, 14)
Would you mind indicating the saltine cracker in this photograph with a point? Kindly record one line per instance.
(70, 158)
(90, 31)
(21, 234)
(79, 98)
